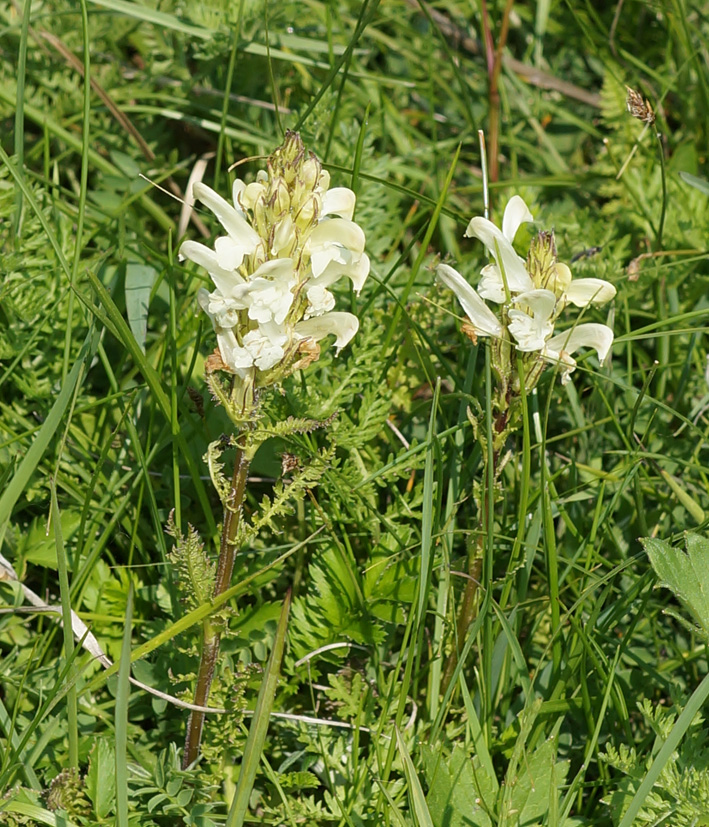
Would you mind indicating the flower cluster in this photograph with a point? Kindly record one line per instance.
(289, 237)
(530, 294)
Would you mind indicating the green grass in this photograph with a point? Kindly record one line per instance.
(577, 674)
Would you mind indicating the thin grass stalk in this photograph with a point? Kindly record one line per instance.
(210, 634)
(480, 549)
(258, 730)
(552, 562)
(121, 718)
(236, 33)
(71, 699)
(489, 539)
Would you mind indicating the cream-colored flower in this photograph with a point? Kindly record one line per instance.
(560, 347)
(289, 237)
(499, 245)
(531, 293)
(531, 319)
(483, 320)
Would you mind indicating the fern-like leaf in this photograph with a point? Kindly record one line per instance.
(195, 572)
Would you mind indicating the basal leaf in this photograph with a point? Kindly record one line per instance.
(101, 777)
(686, 574)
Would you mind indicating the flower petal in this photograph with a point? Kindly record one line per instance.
(516, 213)
(501, 249)
(231, 219)
(224, 280)
(268, 293)
(597, 336)
(531, 319)
(483, 320)
(339, 201)
(491, 286)
(540, 301)
(582, 292)
(342, 326)
(356, 270)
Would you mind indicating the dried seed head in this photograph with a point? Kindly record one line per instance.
(639, 107)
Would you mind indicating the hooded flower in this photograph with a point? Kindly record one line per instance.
(289, 237)
(499, 245)
(530, 294)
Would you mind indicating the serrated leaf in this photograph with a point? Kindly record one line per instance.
(459, 789)
(685, 574)
(101, 777)
(540, 778)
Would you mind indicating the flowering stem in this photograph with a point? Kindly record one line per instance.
(477, 554)
(225, 566)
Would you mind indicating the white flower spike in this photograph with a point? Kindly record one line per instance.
(289, 238)
(531, 295)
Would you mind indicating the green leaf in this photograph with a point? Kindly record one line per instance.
(139, 282)
(460, 791)
(253, 748)
(700, 184)
(685, 574)
(540, 779)
(101, 777)
(38, 548)
(418, 799)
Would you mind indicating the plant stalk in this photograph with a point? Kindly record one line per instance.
(477, 551)
(494, 69)
(210, 633)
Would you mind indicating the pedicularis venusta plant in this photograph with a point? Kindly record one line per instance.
(529, 295)
(476, 636)
(290, 236)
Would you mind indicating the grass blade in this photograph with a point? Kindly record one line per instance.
(259, 724)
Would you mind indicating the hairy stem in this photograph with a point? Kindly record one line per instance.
(210, 633)
(477, 549)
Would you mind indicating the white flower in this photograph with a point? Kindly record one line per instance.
(499, 245)
(342, 326)
(532, 319)
(483, 320)
(224, 280)
(339, 201)
(560, 347)
(266, 345)
(268, 294)
(241, 239)
(223, 311)
(336, 248)
(582, 292)
(320, 301)
(289, 237)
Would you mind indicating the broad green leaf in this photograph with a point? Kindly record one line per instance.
(101, 777)
(461, 793)
(139, 282)
(685, 574)
(39, 549)
(539, 779)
